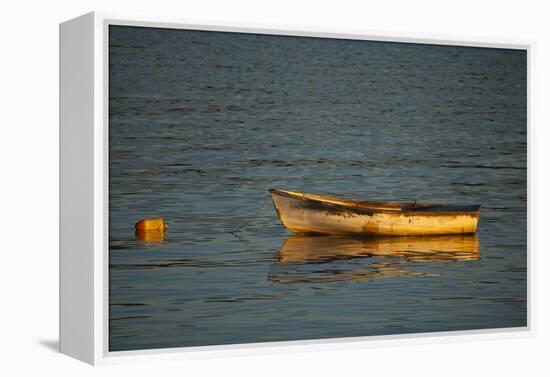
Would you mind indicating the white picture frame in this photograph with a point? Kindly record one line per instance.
(84, 189)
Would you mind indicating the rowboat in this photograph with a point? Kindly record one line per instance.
(316, 214)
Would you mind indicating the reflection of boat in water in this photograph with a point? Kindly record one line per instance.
(365, 259)
(299, 249)
(315, 214)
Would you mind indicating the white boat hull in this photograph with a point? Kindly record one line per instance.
(304, 216)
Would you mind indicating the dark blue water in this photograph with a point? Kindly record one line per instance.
(203, 123)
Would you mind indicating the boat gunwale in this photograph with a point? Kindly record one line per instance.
(371, 207)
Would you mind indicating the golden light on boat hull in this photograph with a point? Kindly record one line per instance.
(307, 213)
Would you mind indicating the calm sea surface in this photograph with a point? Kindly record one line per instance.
(202, 124)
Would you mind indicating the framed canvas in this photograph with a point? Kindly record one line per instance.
(225, 187)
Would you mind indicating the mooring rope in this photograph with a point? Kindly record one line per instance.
(254, 215)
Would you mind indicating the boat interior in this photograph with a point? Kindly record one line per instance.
(386, 206)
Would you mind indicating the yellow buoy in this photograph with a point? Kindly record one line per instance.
(155, 223)
(151, 230)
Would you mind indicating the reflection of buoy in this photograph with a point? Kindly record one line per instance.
(156, 223)
(151, 235)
